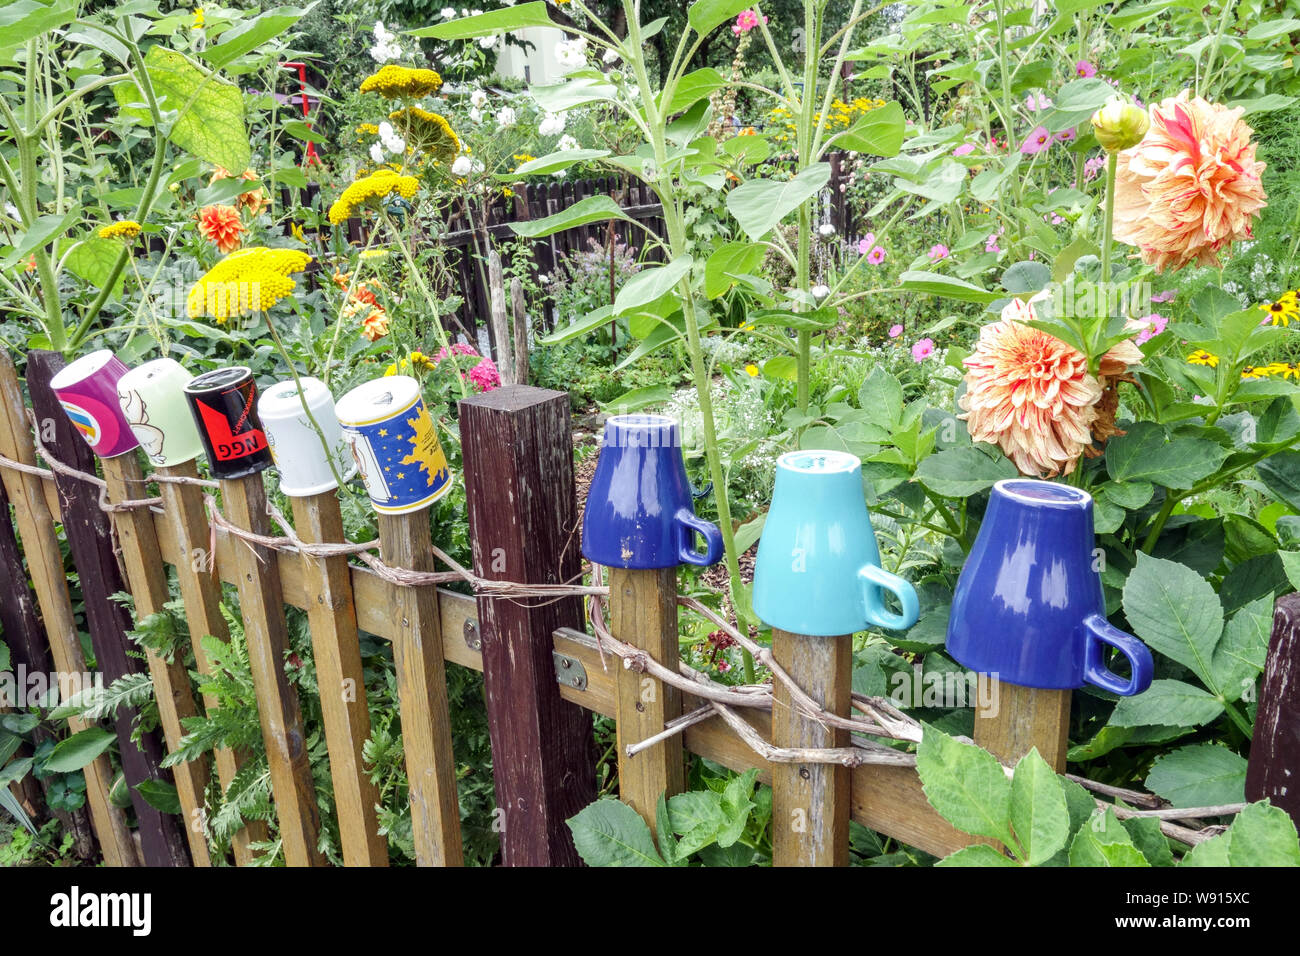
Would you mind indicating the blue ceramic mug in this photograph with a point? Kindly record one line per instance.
(1029, 605)
(639, 510)
(818, 567)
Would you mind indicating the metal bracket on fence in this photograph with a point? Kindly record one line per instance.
(473, 640)
(569, 671)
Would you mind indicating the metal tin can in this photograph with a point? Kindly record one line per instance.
(223, 403)
(87, 390)
(152, 399)
(298, 449)
(394, 443)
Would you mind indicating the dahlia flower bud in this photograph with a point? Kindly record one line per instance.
(1119, 125)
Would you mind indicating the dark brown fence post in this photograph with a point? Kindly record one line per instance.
(1274, 769)
(523, 521)
(162, 836)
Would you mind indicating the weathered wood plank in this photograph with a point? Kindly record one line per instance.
(1274, 768)
(331, 615)
(523, 517)
(1016, 719)
(422, 695)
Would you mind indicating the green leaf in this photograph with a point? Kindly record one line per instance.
(1271, 29)
(705, 15)
(248, 36)
(1199, 775)
(490, 24)
(93, 259)
(1263, 835)
(881, 397)
(965, 785)
(981, 854)
(1169, 703)
(760, 204)
(21, 20)
(14, 771)
(299, 129)
(651, 283)
(637, 399)
(784, 367)
(1264, 104)
(736, 805)
(698, 818)
(1039, 814)
(42, 232)
(554, 162)
(610, 833)
(1242, 652)
(748, 533)
(211, 125)
(1148, 838)
(878, 132)
(1144, 454)
(693, 87)
(941, 186)
(933, 283)
(1176, 612)
(589, 210)
(593, 320)
(78, 750)
(160, 795)
(1027, 276)
(1280, 474)
(578, 91)
(732, 258)
(1103, 841)
(1213, 852)
(961, 472)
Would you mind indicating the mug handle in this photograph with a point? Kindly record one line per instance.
(687, 524)
(1101, 633)
(871, 578)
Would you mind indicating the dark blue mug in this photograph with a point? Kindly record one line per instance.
(639, 510)
(1029, 606)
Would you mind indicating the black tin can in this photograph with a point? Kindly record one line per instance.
(224, 405)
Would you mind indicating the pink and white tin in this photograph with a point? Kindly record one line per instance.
(87, 390)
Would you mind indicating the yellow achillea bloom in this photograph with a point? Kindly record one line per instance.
(427, 131)
(375, 186)
(122, 229)
(1202, 357)
(393, 81)
(246, 281)
(368, 129)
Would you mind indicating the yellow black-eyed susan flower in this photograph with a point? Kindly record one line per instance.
(1202, 357)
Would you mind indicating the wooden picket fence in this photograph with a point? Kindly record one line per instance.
(545, 675)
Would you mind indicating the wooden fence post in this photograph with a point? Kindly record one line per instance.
(810, 802)
(404, 542)
(523, 519)
(1274, 768)
(163, 836)
(147, 577)
(45, 564)
(643, 613)
(261, 604)
(201, 594)
(1017, 719)
(332, 617)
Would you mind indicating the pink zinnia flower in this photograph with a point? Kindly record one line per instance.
(1037, 141)
(1191, 187)
(895, 331)
(876, 256)
(1084, 69)
(938, 251)
(922, 350)
(964, 149)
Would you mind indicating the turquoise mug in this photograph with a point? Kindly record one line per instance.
(818, 567)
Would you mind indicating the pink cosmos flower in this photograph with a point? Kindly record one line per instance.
(964, 149)
(991, 244)
(1093, 167)
(747, 20)
(865, 243)
(895, 331)
(1037, 101)
(1065, 136)
(922, 350)
(1166, 296)
(876, 256)
(938, 251)
(1151, 325)
(1084, 69)
(1037, 141)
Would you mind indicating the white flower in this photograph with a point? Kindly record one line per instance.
(611, 56)
(487, 43)
(388, 136)
(820, 291)
(567, 143)
(552, 124)
(478, 99)
(449, 13)
(386, 47)
(560, 174)
(11, 211)
(544, 279)
(476, 13)
(506, 116)
(826, 229)
(377, 152)
(572, 54)
(461, 167)
(475, 115)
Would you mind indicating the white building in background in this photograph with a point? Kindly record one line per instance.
(539, 65)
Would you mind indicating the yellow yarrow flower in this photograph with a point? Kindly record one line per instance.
(126, 229)
(373, 187)
(246, 281)
(393, 81)
(368, 129)
(427, 131)
(374, 254)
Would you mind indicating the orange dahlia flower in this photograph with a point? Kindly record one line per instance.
(221, 225)
(1191, 187)
(375, 325)
(1032, 395)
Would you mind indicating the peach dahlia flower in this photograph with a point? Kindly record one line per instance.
(221, 226)
(1032, 395)
(1191, 186)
